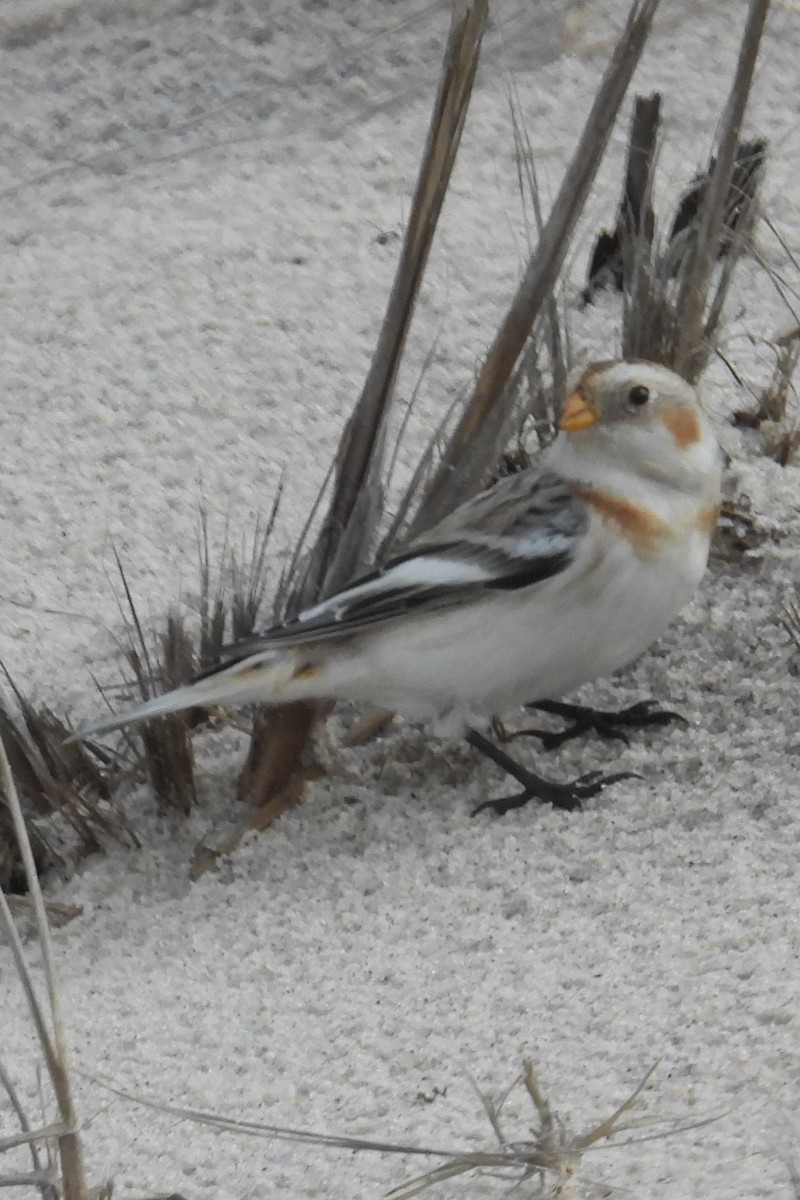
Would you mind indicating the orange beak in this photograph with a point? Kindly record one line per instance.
(578, 414)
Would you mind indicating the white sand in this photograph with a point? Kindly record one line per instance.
(191, 286)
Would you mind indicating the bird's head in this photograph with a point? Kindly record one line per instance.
(638, 416)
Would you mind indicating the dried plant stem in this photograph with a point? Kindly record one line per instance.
(341, 541)
(53, 1044)
(470, 450)
(281, 779)
(345, 537)
(553, 1148)
(529, 187)
(29, 1135)
(619, 257)
(690, 353)
(636, 216)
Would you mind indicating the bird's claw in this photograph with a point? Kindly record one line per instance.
(569, 797)
(589, 720)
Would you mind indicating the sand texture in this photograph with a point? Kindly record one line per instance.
(199, 215)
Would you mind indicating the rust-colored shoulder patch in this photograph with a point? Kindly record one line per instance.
(643, 529)
(249, 671)
(304, 672)
(684, 425)
(707, 519)
(307, 671)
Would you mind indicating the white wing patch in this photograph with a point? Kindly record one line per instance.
(423, 571)
(519, 533)
(538, 545)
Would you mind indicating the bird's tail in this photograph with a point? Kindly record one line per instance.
(274, 677)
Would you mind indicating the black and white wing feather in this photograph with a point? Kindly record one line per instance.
(520, 532)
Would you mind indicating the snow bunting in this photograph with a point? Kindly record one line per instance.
(549, 579)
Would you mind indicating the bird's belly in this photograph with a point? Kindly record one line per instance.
(493, 654)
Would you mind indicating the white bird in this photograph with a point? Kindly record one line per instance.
(551, 578)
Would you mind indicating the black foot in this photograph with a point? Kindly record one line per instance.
(591, 720)
(567, 796)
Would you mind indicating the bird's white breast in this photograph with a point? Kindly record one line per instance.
(488, 656)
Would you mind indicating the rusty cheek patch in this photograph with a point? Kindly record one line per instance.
(683, 424)
(644, 530)
(707, 519)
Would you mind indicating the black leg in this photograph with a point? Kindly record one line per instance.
(569, 796)
(592, 720)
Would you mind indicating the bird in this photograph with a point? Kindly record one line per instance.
(555, 576)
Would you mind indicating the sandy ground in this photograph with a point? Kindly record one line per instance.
(198, 206)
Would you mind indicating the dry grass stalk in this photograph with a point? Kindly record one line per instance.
(345, 539)
(42, 1177)
(617, 252)
(697, 321)
(786, 289)
(370, 726)
(554, 1155)
(233, 596)
(540, 405)
(482, 427)
(738, 220)
(163, 748)
(50, 1033)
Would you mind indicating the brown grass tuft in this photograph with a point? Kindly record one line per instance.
(57, 779)
(774, 413)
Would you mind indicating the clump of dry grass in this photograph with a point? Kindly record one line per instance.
(741, 535)
(162, 749)
(673, 293)
(776, 412)
(663, 290)
(60, 783)
(231, 601)
(66, 783)
(737, 217)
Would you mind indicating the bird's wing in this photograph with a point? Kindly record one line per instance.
(517, 534)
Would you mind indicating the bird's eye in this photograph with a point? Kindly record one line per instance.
(638, 396)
